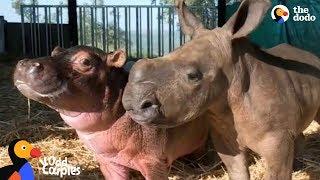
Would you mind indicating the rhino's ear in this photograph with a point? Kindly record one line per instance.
(116, 59)
(247, 18)
(190, 24)
(57, 50)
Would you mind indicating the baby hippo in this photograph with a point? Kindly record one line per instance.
(85, 85)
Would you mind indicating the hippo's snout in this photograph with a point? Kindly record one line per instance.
(27, 67)
(36, 76)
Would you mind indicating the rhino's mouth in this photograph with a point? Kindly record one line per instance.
(30, 92)
(151, 118)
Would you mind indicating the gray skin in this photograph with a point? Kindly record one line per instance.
(255, 99)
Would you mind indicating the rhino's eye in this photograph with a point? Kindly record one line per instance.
(194, 75)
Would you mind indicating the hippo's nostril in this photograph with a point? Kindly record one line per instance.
(146, 104)
(21, 63)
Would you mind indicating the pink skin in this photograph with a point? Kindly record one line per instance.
(91, 104)
(124, 144)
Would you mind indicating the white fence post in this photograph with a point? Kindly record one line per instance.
(2, 36)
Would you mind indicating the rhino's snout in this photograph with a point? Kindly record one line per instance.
(143, 109)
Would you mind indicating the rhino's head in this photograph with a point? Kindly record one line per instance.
(176, 88)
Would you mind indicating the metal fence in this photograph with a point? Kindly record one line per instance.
(143, 31)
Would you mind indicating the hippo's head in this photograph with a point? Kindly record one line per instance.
(71, 81)
(178, 87)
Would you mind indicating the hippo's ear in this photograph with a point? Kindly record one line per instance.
(247, 18)
(190, 24)
(116, 59)
(57, 50)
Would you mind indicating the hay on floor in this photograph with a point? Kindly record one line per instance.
(46, 130)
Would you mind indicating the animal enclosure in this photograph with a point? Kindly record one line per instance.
(143, 31)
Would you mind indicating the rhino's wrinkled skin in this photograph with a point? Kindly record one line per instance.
(85, 86)
(257, 99)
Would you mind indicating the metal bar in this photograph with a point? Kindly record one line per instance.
(151, 38)
(170, 33)
(148, 32)
(107, 19)
(103, 29)
(34, 31)
(173, 30)
(95, 23)
(118, 28)
(62, 26)
(92, 28)
(80, 26)
(130, 53)
(22, 30)
(58, 22)
(137, 32)
(181, 35)
(159, 33)
(73, 28)
(140, 28)
(126, 29)
(50, 31)
(84, 26)
(162, 37)
(38, 32)
(46, 26)
(114, 29)
(31, 34)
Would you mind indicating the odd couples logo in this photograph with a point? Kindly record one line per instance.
(280, 14)
(58, 167)
(20, 151)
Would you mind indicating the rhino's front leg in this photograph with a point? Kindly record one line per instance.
(112, 171)
(232, 157)
(236, 166)
(278, 151)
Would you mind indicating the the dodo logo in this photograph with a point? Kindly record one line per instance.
(280, 14)
(19, 151)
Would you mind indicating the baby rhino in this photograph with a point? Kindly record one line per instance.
(85, 86)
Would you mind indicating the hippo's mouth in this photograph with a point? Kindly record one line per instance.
(30, 92)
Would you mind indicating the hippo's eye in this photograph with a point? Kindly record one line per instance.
(194, 75)
(86, 62)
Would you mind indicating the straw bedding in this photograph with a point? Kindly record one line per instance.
(45, 129)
